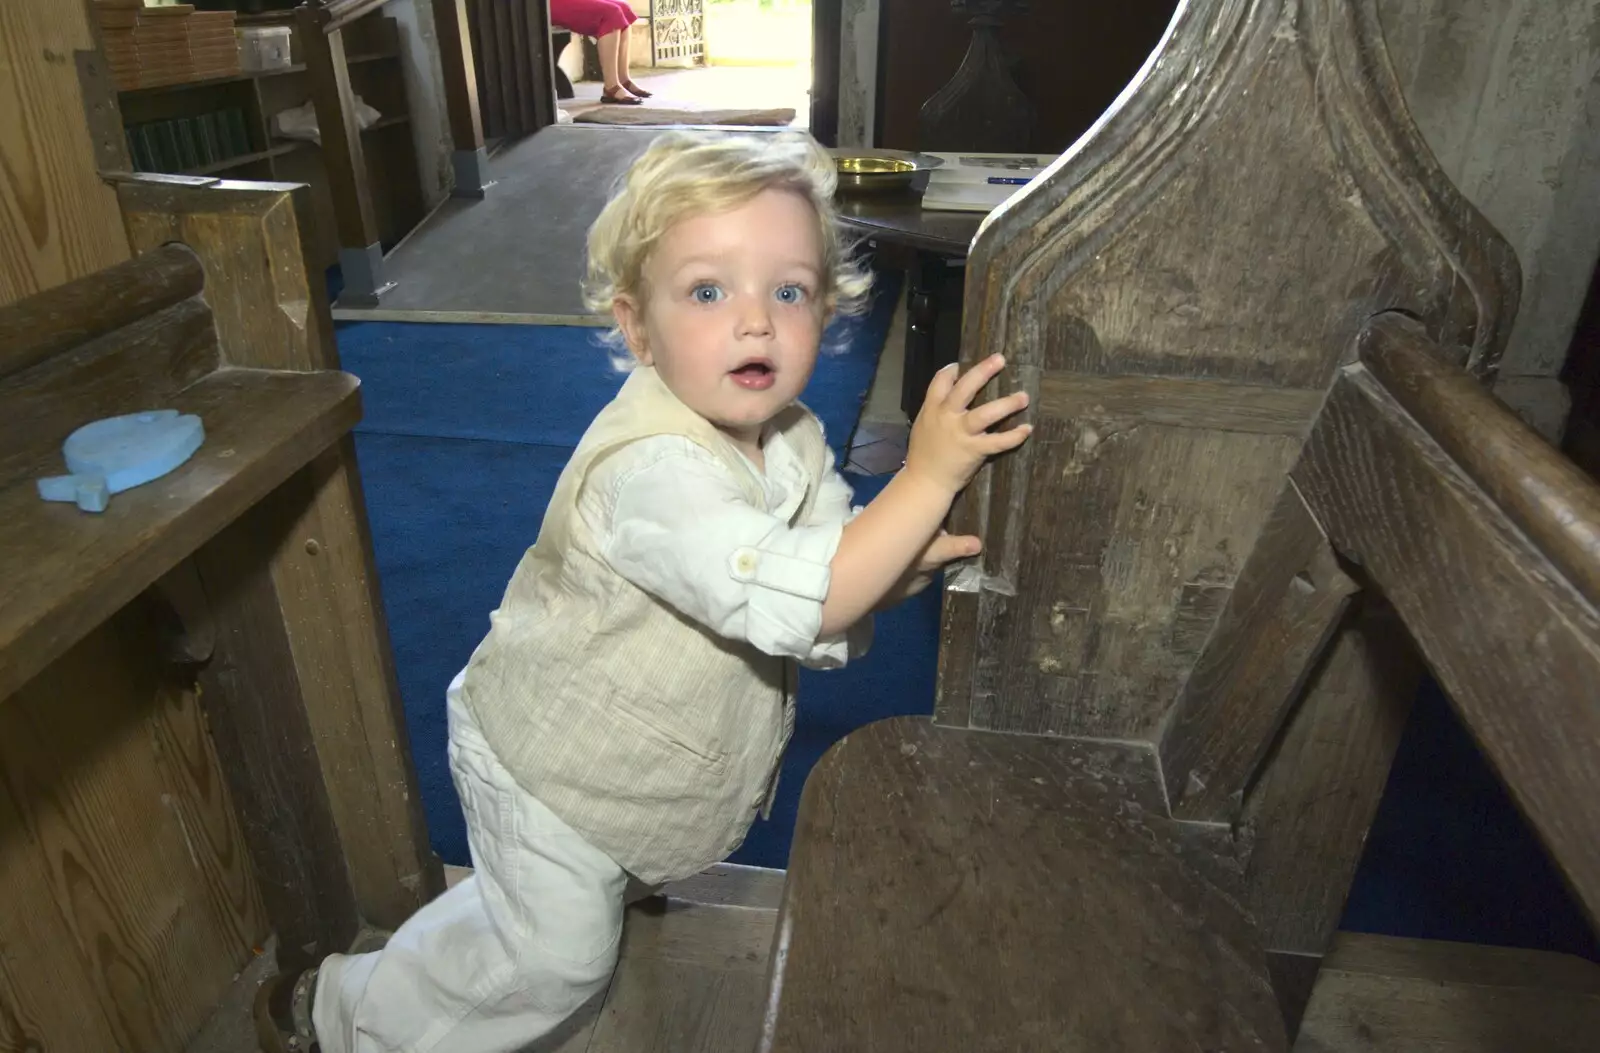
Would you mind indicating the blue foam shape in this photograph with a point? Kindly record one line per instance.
(118, 453)
(92, 494)
(135, 449)
(59, 488)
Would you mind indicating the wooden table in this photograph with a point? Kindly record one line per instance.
(933, 246)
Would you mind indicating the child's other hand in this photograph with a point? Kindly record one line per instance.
(946, 548)
(950, 440)
(941, 551)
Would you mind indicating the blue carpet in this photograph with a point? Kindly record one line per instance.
(1449, 856)
(465, 430)
(544, 384)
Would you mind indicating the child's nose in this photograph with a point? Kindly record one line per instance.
(755, 319)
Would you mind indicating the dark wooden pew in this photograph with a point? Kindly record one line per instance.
(1266, 487)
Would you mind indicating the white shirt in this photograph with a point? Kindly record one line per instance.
(670, 518)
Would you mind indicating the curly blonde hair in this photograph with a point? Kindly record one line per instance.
(688, 174)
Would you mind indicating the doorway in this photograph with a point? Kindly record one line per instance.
(706, 57)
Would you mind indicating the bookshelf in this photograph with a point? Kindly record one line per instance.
(175, 128)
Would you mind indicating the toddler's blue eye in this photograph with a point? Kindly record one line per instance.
(705, 292)
(791, 294)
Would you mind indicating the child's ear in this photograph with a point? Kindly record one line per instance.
(630, 320)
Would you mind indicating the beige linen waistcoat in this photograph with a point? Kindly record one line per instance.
(651, 736)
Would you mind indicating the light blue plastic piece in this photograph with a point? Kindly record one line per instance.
(119, 453)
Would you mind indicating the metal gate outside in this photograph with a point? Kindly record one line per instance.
(677, 31)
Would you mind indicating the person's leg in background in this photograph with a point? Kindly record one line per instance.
(624, 58)
(606, 21)
(613, 90)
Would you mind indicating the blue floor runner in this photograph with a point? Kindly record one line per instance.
(543, 384)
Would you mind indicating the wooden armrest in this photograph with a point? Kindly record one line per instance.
(66, 571)
(962, 890)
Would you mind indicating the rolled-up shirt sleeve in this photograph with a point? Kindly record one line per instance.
(673, 521)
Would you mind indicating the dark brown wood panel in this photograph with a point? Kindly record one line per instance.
(1120, 551)
(314, 538)
(1180, 402)
(965, 890)
(1522, 668)
(256, 704)
(1148, 270)
(1308, 812)
(1287, 602)
(1381, 994)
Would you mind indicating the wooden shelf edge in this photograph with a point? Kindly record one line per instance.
(212, 82)
(67, 571)
(278, 149)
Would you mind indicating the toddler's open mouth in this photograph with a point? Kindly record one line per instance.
(757, 374)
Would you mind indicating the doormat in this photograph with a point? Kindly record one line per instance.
(637, 115)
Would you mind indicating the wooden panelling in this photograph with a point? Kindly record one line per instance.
(119, 845)
(57, 219)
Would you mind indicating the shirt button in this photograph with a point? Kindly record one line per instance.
(746, 562)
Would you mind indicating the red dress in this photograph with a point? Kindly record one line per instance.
(592, 18)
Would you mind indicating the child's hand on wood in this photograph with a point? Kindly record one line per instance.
(941, 551)
(950, 440)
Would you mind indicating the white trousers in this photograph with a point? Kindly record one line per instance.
(502, 958)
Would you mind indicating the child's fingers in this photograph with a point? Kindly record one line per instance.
(966, 389)
(939, 387)
(947, 548)
(994, 442)
(989, 414)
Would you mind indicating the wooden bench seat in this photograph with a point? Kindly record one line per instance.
(957, 889)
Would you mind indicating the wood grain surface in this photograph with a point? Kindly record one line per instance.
(1177, 295)
(58, 219)
(68, 571)
(1285, 606)
(76, 312)
(1515, 646)
(114, 831)
(952, 889)
(1543, 492)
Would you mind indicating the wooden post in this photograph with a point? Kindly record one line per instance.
(470, 159)
(331, 668)
(1310, 808)
(360, 253)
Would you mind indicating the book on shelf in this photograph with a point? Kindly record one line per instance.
(969, 181)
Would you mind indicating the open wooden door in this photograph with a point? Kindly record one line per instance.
(515, 69)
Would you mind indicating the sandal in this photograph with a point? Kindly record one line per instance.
(636, 90)
(283, 1013)
(619, 100)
